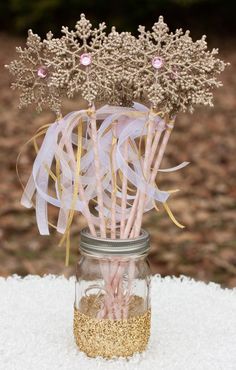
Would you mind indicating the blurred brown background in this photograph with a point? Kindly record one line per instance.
(205, 249)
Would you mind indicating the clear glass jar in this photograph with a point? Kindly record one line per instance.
(112, 309)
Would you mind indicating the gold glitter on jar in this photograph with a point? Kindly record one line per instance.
(111, 338)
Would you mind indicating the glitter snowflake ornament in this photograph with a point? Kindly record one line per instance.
(81, 62)
(169, 70)
(33, 75)
(175, 73)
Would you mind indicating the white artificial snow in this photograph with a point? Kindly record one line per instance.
(193, 327)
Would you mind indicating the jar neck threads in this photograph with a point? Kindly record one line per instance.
(92, 245)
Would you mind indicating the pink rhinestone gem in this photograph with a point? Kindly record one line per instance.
(157, 62)
(85, 59)
(42, 72)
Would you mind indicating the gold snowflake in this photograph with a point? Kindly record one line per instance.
(33, 75)
(173, 72)
(168, 70)
(83, 61)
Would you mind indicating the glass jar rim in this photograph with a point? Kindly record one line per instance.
(97, 246)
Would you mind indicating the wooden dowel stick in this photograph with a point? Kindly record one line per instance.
(124, 193)
(113, 185)
(97, 172)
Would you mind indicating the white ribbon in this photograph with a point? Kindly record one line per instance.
(59, 144)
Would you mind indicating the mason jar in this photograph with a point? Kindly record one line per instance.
(112, 310)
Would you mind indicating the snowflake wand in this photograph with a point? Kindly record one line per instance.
(97, 154)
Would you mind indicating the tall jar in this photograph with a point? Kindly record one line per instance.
(112, 311)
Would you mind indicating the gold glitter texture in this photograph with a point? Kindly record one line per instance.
(112, 338)
(167, 69)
